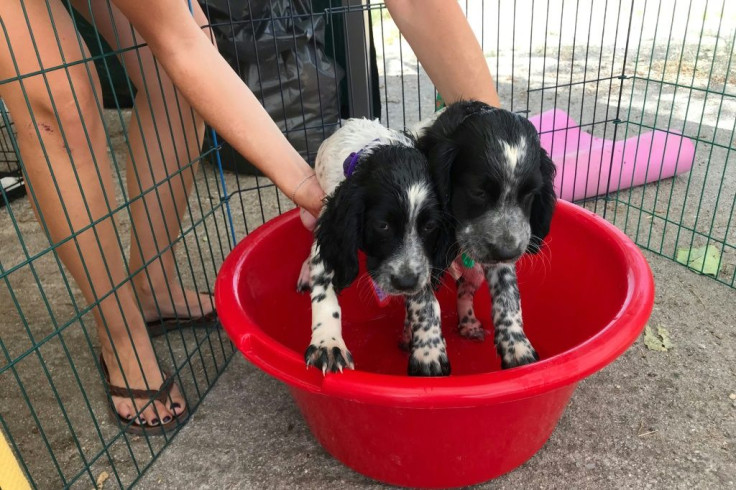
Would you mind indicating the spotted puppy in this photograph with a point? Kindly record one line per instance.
(381, 200)
(496, 182)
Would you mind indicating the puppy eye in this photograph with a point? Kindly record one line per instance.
(381, 226)
(527, 192)
(526, 198)
(429, 226)
(478, 194)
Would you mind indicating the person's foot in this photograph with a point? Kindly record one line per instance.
(149, 378)
(174, 302)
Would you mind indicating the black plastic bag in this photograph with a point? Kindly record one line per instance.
(278, 49)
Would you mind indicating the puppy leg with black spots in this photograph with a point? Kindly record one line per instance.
(327, 350)
(468, 282)
(512, 344)
(468, 325)
(405, 340)
(428, 351)
(302, 282)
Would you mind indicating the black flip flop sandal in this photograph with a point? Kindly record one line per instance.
(162, 395)
(161, 326)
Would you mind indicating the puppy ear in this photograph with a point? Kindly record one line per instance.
(456, 113)
(441, 156)
(438, 145)
(338, 232)
(444, 252)
(543, 206)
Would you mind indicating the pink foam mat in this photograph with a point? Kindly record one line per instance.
(588, 166)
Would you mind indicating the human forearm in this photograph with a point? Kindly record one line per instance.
(440, 36)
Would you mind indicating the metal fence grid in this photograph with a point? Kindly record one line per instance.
(619, 70)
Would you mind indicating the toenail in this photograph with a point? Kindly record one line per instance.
(154, 422)
(167, 419)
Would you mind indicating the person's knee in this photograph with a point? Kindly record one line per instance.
(65, 104)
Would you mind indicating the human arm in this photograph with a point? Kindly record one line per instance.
(442, 39)
(216, 92)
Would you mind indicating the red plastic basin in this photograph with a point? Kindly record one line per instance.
(584, 300)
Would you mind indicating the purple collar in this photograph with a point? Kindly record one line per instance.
(351, 162)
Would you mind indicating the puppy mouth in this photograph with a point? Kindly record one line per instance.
(490, 261)
(385, 285)
(388, 289)
(493, 262)
(480, 255)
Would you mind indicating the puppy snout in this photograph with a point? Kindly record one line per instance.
(503, 252)
(406, 281)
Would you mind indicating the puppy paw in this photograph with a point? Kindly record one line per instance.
(518, 354)
(302, 284)
(429, 363)
(470, 328)
(329, 355)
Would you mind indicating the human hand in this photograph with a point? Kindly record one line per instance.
(309, 197)
(308, 220)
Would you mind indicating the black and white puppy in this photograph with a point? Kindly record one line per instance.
(496, 182)
(381, 200)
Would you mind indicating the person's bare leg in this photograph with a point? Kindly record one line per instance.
(164, 136)
(63, 150)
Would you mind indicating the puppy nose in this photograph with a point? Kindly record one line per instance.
(502, 253)
(404, 282)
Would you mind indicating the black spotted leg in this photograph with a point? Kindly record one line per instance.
(428, 352)
(302, 283)
(327, 350)
(467, 284)
(511, 342)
